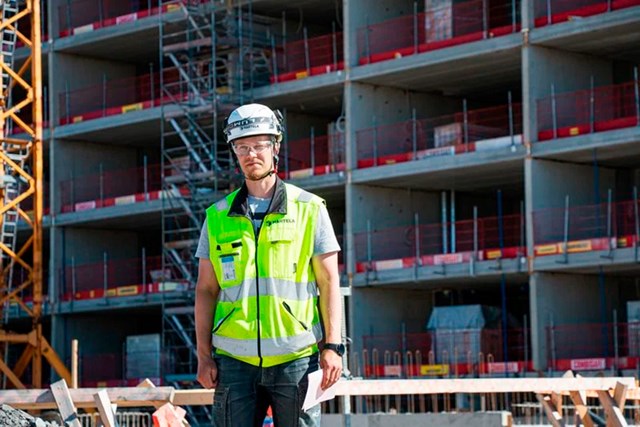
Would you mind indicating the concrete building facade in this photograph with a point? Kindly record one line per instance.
(478, 153)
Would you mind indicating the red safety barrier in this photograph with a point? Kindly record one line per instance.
(436, 29)
(406, 247)
(110, 188)
(303, 58)
(552, 12)
(81, 16)
(318, 155)
(593, 346)
(584, 228)
(444, 353)
(485, 129)
(119, 96)
(586, 111)
(118, 278)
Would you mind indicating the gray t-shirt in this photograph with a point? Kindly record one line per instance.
(325, 240)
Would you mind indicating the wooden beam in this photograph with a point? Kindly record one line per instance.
(615, 417)
(478, 385)
(11, 376)
(83, 397)
(552, 415)
(65, 404)
(107, 415)
(620, 395)
(580, 402)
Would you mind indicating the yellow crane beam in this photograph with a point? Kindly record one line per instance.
(30, 254)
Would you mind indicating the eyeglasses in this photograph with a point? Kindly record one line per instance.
(243, 150)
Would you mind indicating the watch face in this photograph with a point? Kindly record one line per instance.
(338, 348)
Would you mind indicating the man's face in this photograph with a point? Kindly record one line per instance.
(255, 155)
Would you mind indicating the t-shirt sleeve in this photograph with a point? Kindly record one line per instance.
(325, 238)
(203, 243)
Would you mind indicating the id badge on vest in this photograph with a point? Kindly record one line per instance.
(228, 268)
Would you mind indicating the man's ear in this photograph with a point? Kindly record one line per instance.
(276, 148)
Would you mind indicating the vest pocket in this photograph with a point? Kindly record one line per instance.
(223, 321)
(292, 316)
(230, 265)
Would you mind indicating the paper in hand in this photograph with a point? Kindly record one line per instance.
(315, 394)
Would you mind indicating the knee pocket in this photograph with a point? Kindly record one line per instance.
(221, 407)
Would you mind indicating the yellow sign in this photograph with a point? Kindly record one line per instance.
(434, 370)
(301, 75)
(494, 254)
(546, 249)
(127, 290)
(579, 246)
(574, 131)
(132, 107)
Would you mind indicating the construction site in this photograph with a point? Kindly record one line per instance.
(476, 157)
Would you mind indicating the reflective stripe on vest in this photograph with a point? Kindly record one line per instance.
(269, 286)
(269, 346)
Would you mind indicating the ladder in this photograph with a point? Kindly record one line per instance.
(10, 183)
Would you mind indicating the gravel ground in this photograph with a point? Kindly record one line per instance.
(11, 417)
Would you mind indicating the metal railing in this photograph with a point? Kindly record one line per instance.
(436, 28)
(414, 139)
(601, 226)
(307, 57)
(108, 188)
(77, 16)
(117, 278)
(547, 12)
(117, 96)
(592, 110)
(421, 243)
(316, 155)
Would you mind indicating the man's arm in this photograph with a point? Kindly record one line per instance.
(325, 268)
(207, 290)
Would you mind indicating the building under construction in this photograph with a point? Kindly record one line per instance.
(477, 158)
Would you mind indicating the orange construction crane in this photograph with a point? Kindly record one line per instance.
(21, 173)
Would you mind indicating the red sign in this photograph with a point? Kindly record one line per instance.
(501, 367)
(588, 364)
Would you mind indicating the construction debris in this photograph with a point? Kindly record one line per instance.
(11, 417)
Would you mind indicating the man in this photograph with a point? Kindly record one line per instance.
(266, 251)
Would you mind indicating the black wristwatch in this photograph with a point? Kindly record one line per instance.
(338, 348)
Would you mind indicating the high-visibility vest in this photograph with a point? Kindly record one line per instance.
(266, 313)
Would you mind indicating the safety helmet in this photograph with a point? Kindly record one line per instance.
(253, 119)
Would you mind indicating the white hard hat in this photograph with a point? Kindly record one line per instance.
(253, 119)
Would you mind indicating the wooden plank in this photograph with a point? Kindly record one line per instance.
(556, 401)
(83, 397)
(478, 385)
(552, 415)
(620, 395)
(65, 403)
(614, 414)
(193, 397)
(107, 414)
(580, 402)
(10, 375)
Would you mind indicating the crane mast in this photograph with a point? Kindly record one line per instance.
(21, 185)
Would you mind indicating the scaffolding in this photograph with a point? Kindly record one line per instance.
(219, 58)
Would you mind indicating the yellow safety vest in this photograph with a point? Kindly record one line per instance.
(266, 312)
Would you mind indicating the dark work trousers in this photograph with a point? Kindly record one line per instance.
(245, 391)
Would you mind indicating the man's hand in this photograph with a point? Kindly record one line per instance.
(331, 365)
(207, 372)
